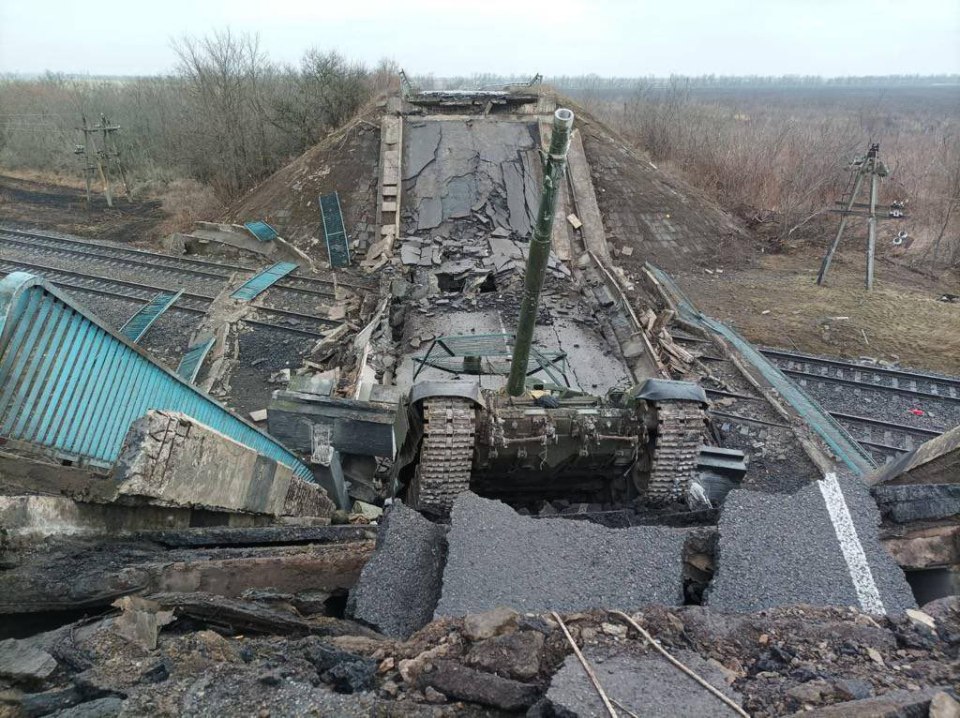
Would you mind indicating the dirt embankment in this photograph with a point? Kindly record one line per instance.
(778, 303)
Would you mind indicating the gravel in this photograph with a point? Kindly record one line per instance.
(778, 550)
(646, 686)
(400, 585)
(499, 558)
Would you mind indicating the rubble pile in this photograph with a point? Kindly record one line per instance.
(251, 660)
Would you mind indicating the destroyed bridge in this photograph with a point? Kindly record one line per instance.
(434, 430)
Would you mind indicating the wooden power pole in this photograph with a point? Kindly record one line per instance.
(870, 166)
(106, 154)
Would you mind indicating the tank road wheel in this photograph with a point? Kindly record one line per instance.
(446, 455)
(680, 427)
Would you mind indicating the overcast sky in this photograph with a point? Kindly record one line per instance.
(452, 37)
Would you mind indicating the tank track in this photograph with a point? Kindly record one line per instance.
(679, 437)
(446, 454)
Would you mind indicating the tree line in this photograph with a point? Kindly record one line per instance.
(227, 116)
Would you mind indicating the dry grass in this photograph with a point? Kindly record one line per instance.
(901, 320)
(185, 202)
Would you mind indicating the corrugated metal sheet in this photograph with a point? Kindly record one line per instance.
(261, 230)
(137, 325)
(72, 386)
(192, 360)
(262, 280)
(338, 245)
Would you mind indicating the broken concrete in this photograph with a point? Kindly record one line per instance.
(171, 459)
(808, 565)
(400, 586)
(498, 558)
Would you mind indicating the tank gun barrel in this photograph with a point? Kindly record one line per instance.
(538, 254)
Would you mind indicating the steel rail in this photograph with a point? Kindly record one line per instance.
(210, 264)
(153, 289)
(178, 307)
(900, 428)
(903, 391)
(878, 370)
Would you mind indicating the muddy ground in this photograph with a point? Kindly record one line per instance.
(776, 302)
(43, 205)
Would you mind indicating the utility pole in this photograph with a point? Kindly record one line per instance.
(104, 154)
(868, 165)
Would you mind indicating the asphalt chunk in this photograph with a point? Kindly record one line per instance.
(779, 550)
(499, 558)
(647, 686)
(400, 585)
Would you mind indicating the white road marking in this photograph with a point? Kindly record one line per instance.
(857, 564)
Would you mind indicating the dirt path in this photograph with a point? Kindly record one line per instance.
(779, 304)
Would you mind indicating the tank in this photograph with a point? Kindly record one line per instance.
(534, 439)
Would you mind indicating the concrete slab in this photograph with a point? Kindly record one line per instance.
(647, 686)
(935, 462)
(170, 459)
(810, 564)
(400, 585)
(498, 558)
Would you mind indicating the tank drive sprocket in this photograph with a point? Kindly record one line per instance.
(446, 454)
(680, 427)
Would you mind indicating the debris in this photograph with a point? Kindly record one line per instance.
(808, 565)
(468, 684)
(921, 618)
(21, 661)
(480, 626)
(258, 415)
(514, 655)
(644, 686)
(367, 511)
(574, 221)
(140, 620)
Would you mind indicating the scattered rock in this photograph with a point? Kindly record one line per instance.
(515, 655)
(944, 706)
(478, 626)
(468, 684)
(21, 661)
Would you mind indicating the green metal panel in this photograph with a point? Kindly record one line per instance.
(261, 230)
(71, 386)
(192, 360)
(137, 325)
(262, 280)
(334, 233)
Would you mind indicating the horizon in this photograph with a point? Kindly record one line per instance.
(610, 38)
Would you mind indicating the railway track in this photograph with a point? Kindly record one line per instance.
(47, 245)
(190, 302)
(907, 383)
